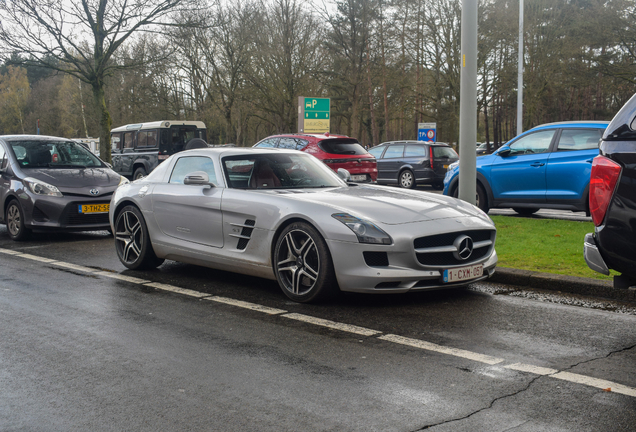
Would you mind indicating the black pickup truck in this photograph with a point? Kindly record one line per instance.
(613, 200)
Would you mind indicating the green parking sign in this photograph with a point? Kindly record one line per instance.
(313, 114)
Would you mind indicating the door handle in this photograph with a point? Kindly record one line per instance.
(589, 160)
(537, 164)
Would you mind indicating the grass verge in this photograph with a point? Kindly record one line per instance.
(544, 245)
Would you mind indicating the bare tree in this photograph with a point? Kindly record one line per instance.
(79, 38)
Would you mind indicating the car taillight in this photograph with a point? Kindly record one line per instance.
(605, 173)
(431, 156)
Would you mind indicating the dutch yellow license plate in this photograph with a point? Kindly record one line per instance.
(93, 208)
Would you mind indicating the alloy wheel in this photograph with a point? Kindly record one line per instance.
(129, 237)
(298, 262)
(14, 220)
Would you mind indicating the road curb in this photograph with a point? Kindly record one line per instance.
(555, 282)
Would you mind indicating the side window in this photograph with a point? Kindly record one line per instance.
(190, 164)
(287, 143)
(376, 152)
(129, 140)
(415, 151)
(301, 143)
(538, 142)
(394, 151)
(444, 152)
(142, 139)
(115, 141)
(147, 138)
(267, 143)
(3, 158)
(579, 139)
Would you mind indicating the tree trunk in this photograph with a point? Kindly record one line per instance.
(105, 121)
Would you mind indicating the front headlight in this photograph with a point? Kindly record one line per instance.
(366, 231)
(453, 166)
(122, 181)
(39, 187)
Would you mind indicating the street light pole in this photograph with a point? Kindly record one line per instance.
(468, 103)
(520, 73)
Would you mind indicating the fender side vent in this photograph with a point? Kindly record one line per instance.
(246, 233)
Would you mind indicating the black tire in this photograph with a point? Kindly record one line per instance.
(132, 241)
(14, 218)
(140, 173)
(481, 199)
(525, 211)
(406, 179)
(438, 185)
(195, 143)
(302, 264)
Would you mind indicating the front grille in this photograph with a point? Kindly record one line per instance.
(376, 259)
(72, 216)
(446, 240)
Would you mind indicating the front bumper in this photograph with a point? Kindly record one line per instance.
(61, 213)
(404, 273)
(592, 255)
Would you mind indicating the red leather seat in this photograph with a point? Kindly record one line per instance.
(263, 176)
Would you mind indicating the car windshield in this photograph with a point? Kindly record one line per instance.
(278, 171)
(53, 154)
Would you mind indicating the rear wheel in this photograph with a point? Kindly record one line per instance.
(406, 179)
(140, 173)
(132, 241)
(14, 218)
(302, 264)
(525, 211)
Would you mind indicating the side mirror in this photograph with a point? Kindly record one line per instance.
(198, 178)
(344, 174)
(504, 152)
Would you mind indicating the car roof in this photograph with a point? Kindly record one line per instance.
(576, 123)
(318, 136)
(158, 124)
(237, 151)
(33, 138)
(437, 143)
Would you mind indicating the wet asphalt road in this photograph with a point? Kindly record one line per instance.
(80, 351)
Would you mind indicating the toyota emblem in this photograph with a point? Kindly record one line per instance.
(464, 247)
(94, 192)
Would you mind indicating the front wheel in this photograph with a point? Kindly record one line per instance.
(481, 199)
(406, 179)
(132, 241)
(302, 264)
(14, 218)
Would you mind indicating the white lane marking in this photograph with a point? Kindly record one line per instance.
(123, 277)
(10, 252)
(74, 266)
(332, 324)
(565, 376)
(246, 305)
(441, 349)
(178, 290)
(595, 382)
(37, 258)
(537, 370)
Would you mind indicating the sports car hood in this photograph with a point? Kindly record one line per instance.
(70, 178)
(390, 205)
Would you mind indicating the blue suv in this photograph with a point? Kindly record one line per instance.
(545, 167)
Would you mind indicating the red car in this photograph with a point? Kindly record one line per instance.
(337, 151)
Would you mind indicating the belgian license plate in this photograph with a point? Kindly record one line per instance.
(463, 273)
(93, 208)
(358, 177)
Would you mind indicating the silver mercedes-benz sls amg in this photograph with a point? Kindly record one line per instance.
(284, 215)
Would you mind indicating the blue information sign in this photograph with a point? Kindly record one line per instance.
(427, 131)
